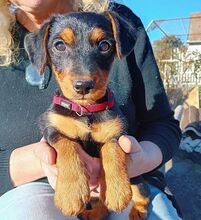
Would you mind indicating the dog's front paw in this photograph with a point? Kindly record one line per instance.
(71, 198)
(137, 214)
(114, 182)
(117, 195)
(99, 211)
(93, 214)
(141, 200)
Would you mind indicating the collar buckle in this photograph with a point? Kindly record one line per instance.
(79, 113)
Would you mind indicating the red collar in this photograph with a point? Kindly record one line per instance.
(80, 109)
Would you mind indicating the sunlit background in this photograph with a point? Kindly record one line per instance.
(174, 28)
(149, 10)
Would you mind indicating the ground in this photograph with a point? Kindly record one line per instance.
(184, 180)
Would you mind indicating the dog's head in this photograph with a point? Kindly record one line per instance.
(80, 48)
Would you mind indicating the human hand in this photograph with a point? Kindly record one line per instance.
(47, 156)
(143, 157)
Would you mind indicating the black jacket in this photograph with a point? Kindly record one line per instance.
(135, 82)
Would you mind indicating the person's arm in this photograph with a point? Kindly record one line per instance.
(5, 181)
(143, 156)
(32, 162)
(25, 166)
(155, 119)
(157, 130)
(18, 166)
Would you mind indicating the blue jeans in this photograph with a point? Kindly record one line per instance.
(34, 201)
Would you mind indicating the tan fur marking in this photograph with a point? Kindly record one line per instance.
(59, 74)
(101, 79)
(65, 80)
(105, 131)
(72, 177)
(96, 35)
(44, 43)
(114, 182)
(115, 32)
(140, 206)
(68, 36)
(98, 211)
(69, 126)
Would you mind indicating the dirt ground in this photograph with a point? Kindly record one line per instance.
(184, 180)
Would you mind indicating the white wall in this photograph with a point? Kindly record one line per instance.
(194, 48)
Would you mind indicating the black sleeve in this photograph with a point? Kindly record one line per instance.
(5, 183)
(154, 115)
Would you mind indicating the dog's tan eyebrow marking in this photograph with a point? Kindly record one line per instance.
(68, 36)
(96, 35)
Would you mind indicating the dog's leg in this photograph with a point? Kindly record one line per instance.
(141, 201)
(98, 211)
(114, 183)
(72, 190)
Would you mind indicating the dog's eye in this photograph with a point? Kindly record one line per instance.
(104, 46)
(60, 45)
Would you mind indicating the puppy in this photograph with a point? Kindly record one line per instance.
(80, 49)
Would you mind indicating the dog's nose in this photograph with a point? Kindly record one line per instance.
(83, 86)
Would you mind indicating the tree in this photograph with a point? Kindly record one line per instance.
(168, 51)
(164, 48)
(176, 60)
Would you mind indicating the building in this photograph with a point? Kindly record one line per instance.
(186, 64)
(193, 54)
(194, 35)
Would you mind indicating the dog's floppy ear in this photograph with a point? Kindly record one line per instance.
(36, 47)
(124, 34)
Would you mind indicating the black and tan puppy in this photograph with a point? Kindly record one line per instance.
(80, 48)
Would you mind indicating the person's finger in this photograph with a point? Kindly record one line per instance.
(45, 153)
(43, 140)
(51, 172)
(95, 192)
(129, 144)
(51, 168)
(93, 187)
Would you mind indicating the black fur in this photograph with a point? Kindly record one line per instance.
(83, 57)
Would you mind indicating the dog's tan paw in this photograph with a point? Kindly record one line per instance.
(141, 200)
(118, 196)
(71, 199)
(93, 214)
(137, 214)
(98, 211)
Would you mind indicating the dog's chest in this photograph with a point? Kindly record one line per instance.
(98, 131)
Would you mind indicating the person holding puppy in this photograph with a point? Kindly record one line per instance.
(27, 165)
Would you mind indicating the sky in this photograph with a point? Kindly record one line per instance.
(149, 10)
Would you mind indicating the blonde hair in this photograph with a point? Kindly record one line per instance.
(6, 40)
(94, 5)
(7, 21)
